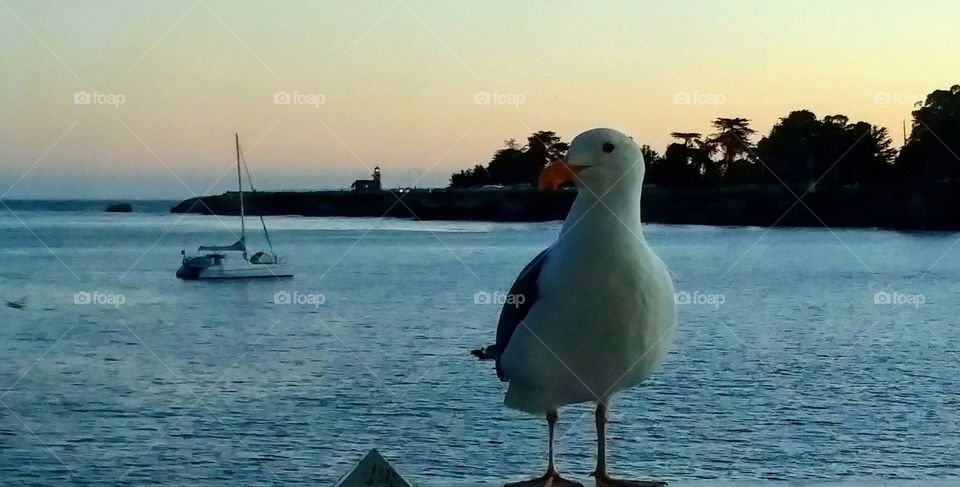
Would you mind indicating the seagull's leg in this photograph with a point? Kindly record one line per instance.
(551, 478)
(602, 478)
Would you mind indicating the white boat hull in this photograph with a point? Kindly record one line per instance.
(251, 272)
(225, 270)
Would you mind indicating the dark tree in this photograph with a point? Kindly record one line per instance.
(650, 156)
(852, 153)
(470, 177)
(731, 140)
(508, 167)
(832, 144)
(802, 150)
(514, 164)
(546, 144)
(651, 160)
(870, 159)
(786, 153)
(932, 151)
(683, 164)
(689, 139)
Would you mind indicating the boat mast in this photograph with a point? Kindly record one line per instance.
(243, 227)
(263, 224)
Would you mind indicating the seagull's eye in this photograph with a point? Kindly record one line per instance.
(608, 147)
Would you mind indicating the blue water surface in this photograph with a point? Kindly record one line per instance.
(800, 354)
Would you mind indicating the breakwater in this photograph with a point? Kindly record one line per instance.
(933, 207)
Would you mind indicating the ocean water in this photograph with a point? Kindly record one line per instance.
(800, 354)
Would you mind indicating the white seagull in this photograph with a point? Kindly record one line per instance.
(598, 309)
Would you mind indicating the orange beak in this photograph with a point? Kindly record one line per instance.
(557, 173)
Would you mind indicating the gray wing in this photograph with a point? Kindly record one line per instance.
(515, 310)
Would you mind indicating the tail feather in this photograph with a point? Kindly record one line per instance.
(486, 353)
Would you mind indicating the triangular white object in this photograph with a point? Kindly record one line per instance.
(373, 471)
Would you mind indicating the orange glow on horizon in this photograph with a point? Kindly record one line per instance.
(320, 94)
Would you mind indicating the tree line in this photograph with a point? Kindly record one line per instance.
(515, 163)
(801, 150)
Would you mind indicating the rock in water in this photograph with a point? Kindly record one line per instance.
(120, 208)
(373, 471)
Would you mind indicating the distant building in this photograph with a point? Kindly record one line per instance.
(368, 184)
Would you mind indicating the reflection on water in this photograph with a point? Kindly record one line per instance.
(797, 373)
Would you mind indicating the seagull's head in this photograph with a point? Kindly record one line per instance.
(598, 160)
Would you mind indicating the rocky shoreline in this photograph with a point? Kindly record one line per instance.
(932, 207)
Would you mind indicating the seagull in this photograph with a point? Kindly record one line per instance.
(594, 313)
(21, 304)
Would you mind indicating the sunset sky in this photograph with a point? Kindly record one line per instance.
(140, 99)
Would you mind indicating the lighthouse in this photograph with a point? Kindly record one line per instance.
(372, 184)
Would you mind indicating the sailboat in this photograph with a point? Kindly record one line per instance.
(233, 261)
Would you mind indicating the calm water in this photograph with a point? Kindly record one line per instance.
(783, 368)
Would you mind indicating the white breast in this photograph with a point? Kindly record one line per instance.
(603, 321)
